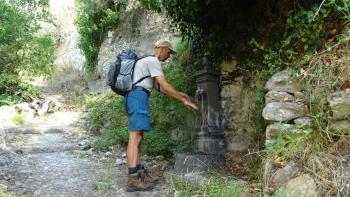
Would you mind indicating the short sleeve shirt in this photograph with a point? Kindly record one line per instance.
(147, 66)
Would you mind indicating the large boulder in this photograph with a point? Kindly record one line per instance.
(284, 81)
(340, 105)
(284, 111)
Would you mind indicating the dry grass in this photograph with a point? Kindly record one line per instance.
(326, 154)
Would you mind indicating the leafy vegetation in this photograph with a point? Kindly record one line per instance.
(24, 52)
(94, 20)
(18, 119)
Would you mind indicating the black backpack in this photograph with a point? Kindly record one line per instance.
(121, 72)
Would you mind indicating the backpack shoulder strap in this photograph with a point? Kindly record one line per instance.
(142, 78)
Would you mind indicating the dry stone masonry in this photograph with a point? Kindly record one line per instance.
(287, 115)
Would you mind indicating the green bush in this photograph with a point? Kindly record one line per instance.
(94, 20)
(24, 52)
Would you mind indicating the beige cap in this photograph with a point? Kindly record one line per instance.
(164, 43)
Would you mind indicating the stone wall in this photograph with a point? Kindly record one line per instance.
(287, 115)
(238, 98)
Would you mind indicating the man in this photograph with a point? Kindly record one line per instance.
(137, 106)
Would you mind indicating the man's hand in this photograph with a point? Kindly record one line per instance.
(188, 101)
(190, 104)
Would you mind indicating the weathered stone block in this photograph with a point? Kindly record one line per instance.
(303, 121)
(208, 145)
(281, 176)
(341, 126)
(277, 96)
(286, 111)
(186, 163)
(284, 81)
(273, 130)
(340, 105)
(303, 185)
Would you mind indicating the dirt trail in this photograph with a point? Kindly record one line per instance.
(45, 159)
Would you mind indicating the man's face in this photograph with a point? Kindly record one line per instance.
(164, 53)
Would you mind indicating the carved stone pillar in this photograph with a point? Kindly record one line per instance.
(209, 138)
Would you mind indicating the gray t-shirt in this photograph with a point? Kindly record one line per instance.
(147, 66)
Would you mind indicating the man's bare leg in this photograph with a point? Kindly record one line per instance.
(139, 153)
(135, 138)
(134, 182)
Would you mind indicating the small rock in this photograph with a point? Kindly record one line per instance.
(124, 155)
(159, 158)
(24, 107)
(120, 161)
(90, 151)
(102, 159)
(108, 154)
(83, 142)
(44, 108)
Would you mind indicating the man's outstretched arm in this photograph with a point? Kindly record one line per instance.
(166, 88)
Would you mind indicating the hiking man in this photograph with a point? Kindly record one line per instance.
(137, 106)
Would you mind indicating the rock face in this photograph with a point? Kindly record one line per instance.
(68, 54)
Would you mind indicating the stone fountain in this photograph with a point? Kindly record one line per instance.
(209, 138)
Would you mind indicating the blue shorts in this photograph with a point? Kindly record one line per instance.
(137, 107)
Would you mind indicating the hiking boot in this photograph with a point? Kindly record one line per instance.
(135, 184)
(146, 177)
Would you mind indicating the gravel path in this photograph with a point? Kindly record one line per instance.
(44, 159)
